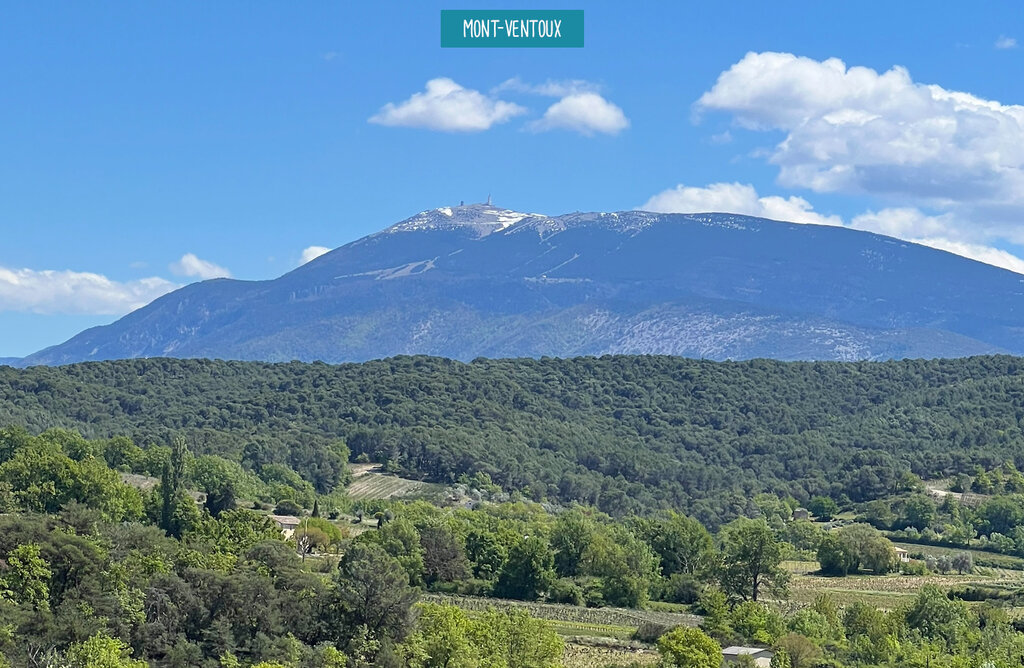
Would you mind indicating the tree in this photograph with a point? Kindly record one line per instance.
(936, 616)
(374, 592)
(804, 535)
(681, 543)
(751, 554)
(443, 639)
(102, 651)
(528, 572)
(27, 579)
(1002, 513)
(836, 556)
(689, 648)
(963, 562)
(571, 538)
(918, 511)
(849, 548)
(514, 639)
(802, 653)
(444, 559)
(237, 531)
(401, 540)
(823, 507)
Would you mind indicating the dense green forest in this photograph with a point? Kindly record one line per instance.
(98, 573)
(623, 434)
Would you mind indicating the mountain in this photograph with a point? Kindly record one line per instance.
(476, 280)
(10, 361)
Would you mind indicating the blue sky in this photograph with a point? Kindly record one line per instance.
(148, 145)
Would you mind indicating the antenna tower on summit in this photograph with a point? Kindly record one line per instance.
(488, 199)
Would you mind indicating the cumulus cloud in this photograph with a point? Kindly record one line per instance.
(1005, 42)
(73, 292)
(942, 232)
(313, 252)
(855, 130)
(586, 113)
(447, 106)
(192, 266)
(906, 223)
(987, 254)
(736, 198)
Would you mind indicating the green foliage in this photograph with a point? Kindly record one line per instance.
(689, 648)
(528, 572)
(757, 622)
(557, 427)
(102, 651)
(750, 557)
(937, 617)
(823, 507)
(236, 531)
(855, 546)
(681, 543)
(27, 578)
(45, 476)
(374, 593)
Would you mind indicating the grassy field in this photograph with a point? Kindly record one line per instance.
(369, 482)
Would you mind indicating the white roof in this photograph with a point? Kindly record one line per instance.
(737, 650)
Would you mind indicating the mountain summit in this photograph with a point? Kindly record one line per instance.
(478, 280)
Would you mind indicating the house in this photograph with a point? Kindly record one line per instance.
(903, 555)
(762, 656)
(801, 514)
(287, 524)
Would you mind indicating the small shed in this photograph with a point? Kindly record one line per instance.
(762, 656)
(903, 555)
(801, 514)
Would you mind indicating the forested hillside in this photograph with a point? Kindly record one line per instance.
(622, 433)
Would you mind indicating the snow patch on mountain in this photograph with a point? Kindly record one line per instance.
(482, 219)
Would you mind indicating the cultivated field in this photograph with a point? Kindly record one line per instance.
(369, 482)
(981, 558)
(572, 620)
(587, 656)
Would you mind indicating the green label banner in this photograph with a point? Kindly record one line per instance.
(463, 28)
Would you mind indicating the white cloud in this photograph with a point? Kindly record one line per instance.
(905, 223)
(987, 254)
(192, 266)
(855, 130)
(585, 113)
(1005, 42)
(313, 252)
(447, 106)
(550, 88)
(736, 198)
(73, 292)
(943, 231)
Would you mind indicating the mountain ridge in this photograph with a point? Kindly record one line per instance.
(478, 280)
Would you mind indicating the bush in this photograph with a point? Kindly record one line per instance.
(679, 588)
(287, 507)
(650, 631)
(564, 590)
(913, 568)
